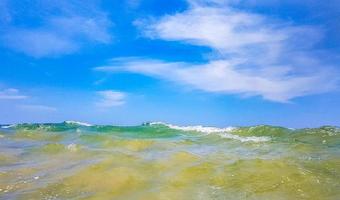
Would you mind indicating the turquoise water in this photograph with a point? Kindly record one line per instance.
(73, 160)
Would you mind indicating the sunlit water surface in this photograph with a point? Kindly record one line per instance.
(72, 160)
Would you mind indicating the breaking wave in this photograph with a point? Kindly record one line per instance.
(78, 123)
(223, 132)
(323, 135)
(77, 160)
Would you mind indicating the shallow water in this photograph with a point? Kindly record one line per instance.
(160, 161)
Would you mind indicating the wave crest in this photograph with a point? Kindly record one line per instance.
(223, 132)
(78, 123)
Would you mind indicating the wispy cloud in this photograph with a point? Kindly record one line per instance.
(37, 108)
(220, 76)
(11, 94)
(232, 33)
(110, 98)
(14, 94)
(56, 34)
(133, 3)
(255, 55)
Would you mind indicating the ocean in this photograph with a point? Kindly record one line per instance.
(74, 160)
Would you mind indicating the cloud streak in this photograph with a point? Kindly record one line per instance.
(37, 108)
(11, 94)
(255, 55)
(56, 34)
(110, 98)
(220, 76)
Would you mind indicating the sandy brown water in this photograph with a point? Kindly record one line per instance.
(70, 161)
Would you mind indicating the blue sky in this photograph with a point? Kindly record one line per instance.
(213, 62)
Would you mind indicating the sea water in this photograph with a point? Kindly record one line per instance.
(73, 160)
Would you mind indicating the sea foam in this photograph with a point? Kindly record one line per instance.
(8, 126)
(223, 132)
(78, 123)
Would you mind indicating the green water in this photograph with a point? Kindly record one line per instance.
(160, 161)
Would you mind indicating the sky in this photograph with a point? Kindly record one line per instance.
(187, 62)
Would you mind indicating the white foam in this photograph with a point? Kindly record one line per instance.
(72, 147)
(8, 126)
(246, 139)
(223, 132)
(199, 128)
(78, 123)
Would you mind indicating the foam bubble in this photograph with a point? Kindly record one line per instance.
(245, 139)
(8, 126)
(72, 147)
(78, 123)
(199, 128)
(223, 132)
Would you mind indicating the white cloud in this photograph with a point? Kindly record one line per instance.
(109, 98)
(217, 28)
(231, 32)
(254, 54)
(220, 76)
(92, 28)
(56, 34)
(39, 43)
(37, 108)
(11, 94)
